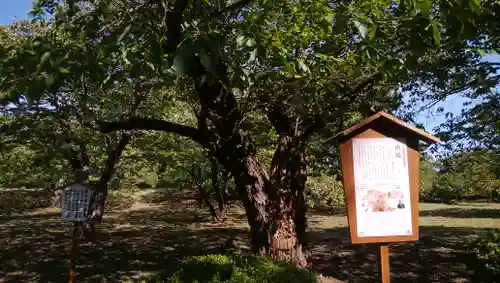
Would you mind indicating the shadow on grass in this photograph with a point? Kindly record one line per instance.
(457, 212)
(20, 217)
(21, 200)
(136, 246)
(334, 210)
(439, 256)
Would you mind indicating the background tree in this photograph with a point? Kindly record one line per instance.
(468, 175)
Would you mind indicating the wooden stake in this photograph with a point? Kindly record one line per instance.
(385, 268)
(77, 229)
(71, 274)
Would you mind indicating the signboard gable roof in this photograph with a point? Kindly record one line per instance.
(421, 134)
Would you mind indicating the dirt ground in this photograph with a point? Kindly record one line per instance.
(144, 233)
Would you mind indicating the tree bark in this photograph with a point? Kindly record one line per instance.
(156, 125)
(288, 177)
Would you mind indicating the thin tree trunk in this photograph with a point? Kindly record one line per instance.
(223, 196)
(205, 198)
(101, 188)
(219, 186)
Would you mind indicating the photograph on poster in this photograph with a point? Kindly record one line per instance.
(378, 200)
(382, 187)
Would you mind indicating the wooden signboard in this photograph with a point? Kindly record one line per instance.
(76, 202)
(380, 163)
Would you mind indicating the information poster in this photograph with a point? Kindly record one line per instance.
(76, 201)
(382, 187)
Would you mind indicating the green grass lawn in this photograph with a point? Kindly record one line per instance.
(146, 235)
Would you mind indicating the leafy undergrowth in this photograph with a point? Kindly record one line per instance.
(236, 269)
(484, 257)
(19, 200)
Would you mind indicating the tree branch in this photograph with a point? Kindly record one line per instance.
(365, 81)
(279, 119)
(155, 125)
(317, 124)
(113, 158)
(173, 21)
(230, 8)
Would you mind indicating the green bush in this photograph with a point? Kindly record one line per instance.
(324, 190)
(237, 269)
(428, 177)
(484, 257)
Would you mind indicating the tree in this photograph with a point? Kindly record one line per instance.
(475, 128)
(428, 177)
(61, 123)
(468, 174)
(306, 66)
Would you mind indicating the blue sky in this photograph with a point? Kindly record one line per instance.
(429, 118)
(13, 8)
(454, 104)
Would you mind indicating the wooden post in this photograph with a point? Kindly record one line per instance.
(385, 268)
(77, 229)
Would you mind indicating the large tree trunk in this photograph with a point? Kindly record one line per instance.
(288, 177)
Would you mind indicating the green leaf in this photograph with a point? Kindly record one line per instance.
(436, 34)
(106, 80)
(372, 33)
(45, 58)
(202, 80)
(253, 55)
(363, 30)
(102, 52)
(207, 61)
(124, 33)
(151, 65)
(181, 63)
(214, 45)
(251, 42)
(302, 66)
(481, 52)
(63, 70)
(423, 6)
(50, 80)
(240, 40)
(475, 5)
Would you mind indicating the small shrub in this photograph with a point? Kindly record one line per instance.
(237, 269)
(484, 257)
(324, 190)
